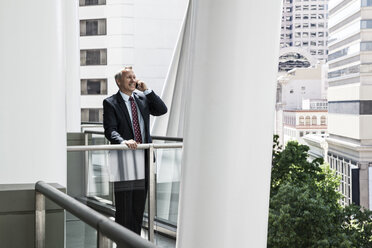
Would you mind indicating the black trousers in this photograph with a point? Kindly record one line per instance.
(130, 206)
(130, 200)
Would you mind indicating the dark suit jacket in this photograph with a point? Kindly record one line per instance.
(116, 120)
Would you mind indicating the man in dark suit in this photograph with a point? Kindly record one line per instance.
(126, 120)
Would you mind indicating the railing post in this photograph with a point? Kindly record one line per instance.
(103, 241)
(151, 196)
(86, 165)
(39, 220)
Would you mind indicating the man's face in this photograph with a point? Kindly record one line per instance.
(128, 81)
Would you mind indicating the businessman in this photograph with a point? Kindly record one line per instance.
(126, 120)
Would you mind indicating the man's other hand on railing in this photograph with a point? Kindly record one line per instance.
(132, 144)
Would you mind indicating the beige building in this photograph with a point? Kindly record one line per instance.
(299, 123)
(350, 95)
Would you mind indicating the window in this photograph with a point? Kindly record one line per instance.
(298, 35)
(298, 43)
(93, 27)
(307, 120)
(93, 86)
(93, 57)
(301, 133)
(320, 52)
(320, 43)
(288, 18)
(291, 92)
(313, 7)
(297, 25)
(366, 3)
(313, 16)
(298, 7)
(305, 43)
(314, 132)
(305, 35)
(322, 120)
(320, 34)
(321, 7)
(91, 2)
(345, 71)
(92, 115)
(305, 25)
(288, 9)
(297, 16)
(301, 120)
(313, 35)
(312, 43)
(322, 132)
(305, 17)
(321, 25)
(320, 16)
(303, 88)
(313, 25)
(288, 27)
(313, 120)
(312, 52)
(365, 24)
(305, 7)
(366, 46)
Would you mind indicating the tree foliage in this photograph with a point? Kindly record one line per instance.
(304, 204)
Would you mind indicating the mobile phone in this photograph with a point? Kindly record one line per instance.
(137, 85)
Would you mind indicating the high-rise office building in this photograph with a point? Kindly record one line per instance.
(114, 33)
(303, 33)
(350, 97)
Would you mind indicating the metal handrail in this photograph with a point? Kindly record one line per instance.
(106, 229)
(155, 137)
(122, 147)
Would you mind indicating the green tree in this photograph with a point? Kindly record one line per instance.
(304, 204)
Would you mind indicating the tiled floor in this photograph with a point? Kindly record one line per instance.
(80, 235)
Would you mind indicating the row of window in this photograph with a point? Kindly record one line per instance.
(305, 17)
(311, 16)
(310, 34)
(344, 71)
(304, 25)
(302, 133)
(310, 7)
(366, 3)
(314, 120)
(298, 1)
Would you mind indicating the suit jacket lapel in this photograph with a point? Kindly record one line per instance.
(124, 109)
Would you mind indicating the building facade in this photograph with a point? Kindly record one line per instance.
(350, 92)
(304, 24)
(114, 33)
(298, 123)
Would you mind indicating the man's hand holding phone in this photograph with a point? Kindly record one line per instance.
(141, 86)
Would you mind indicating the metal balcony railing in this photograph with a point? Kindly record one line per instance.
(107, 230)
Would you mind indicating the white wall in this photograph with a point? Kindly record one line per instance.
(32, 100)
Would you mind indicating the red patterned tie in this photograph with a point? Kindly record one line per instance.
(136, 126)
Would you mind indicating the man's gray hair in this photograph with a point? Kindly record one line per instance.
(119, 75)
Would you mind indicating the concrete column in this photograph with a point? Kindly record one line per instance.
(364, 184)
(32, 97)
(229, 123)
(73, 113)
